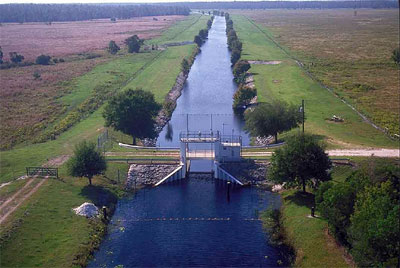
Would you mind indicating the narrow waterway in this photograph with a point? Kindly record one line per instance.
(198, 221)
(191, 223)
(208, 90)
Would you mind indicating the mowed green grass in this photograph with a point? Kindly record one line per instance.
(288, 82)
(155, 72)
(308, 235)
(45, 232)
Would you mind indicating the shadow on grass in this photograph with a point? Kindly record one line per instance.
(99, 195)
(301, 199)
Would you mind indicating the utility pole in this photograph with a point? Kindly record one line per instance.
(302, 110)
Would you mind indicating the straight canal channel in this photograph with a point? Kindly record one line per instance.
(194, 222)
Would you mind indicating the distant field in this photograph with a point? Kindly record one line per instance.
(287, 81)
(28, 106)
(67, 38)
(348, 53)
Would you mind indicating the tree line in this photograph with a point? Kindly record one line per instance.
(290, 4)
(203, 33)
(77, 12)
(363, 213)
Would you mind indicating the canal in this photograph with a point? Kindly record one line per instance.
(198, 221)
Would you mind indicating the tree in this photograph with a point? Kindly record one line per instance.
(209, 24)
(300, 161)
(272, 118)
(336, 205)
(86, 161)
(134, 43)
(113, 48)
(396, 56)
(198, 40)
(240, 68)
(185, 67)
(243, 96)
(16, 58)
(203, 33)
(374, 231)
(235, 56)
(43, 60)
(132, 112)
(1, 55)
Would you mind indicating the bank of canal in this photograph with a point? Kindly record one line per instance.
(194, 222)
(208, 90)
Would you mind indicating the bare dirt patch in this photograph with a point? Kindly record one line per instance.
(67, 38)
(272, 62)
(57, 161)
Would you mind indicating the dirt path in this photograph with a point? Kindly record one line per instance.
(15, 195)
(19, 197)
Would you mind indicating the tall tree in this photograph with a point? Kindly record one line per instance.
(86, 161)
(374, 230)
(198, 40)
(1, 55)
(300, 161)
(132, 112)
(134, 43)
(272, 118)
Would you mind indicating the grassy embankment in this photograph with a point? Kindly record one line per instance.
(349, 53)
(287, 81)
(44, 231)
(154, 71)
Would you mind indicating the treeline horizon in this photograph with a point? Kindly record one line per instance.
(290, 4)
(77, 12)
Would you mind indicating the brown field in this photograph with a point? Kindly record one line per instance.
(28, 105)
(26, 102)
(67, 38)
(347, 52)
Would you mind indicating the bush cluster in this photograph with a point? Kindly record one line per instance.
(203, 33)
(363, 212)
(234, 44)
(244, 94)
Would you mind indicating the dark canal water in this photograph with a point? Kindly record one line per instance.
(193, 223)
(190, 224)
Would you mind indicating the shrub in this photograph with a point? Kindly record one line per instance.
(15, 57)
(240, 67)
(134, 43)
(43, 60)
(113, 48)
(36, 75)
(243, 96)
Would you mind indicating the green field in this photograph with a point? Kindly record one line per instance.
(287, 81)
